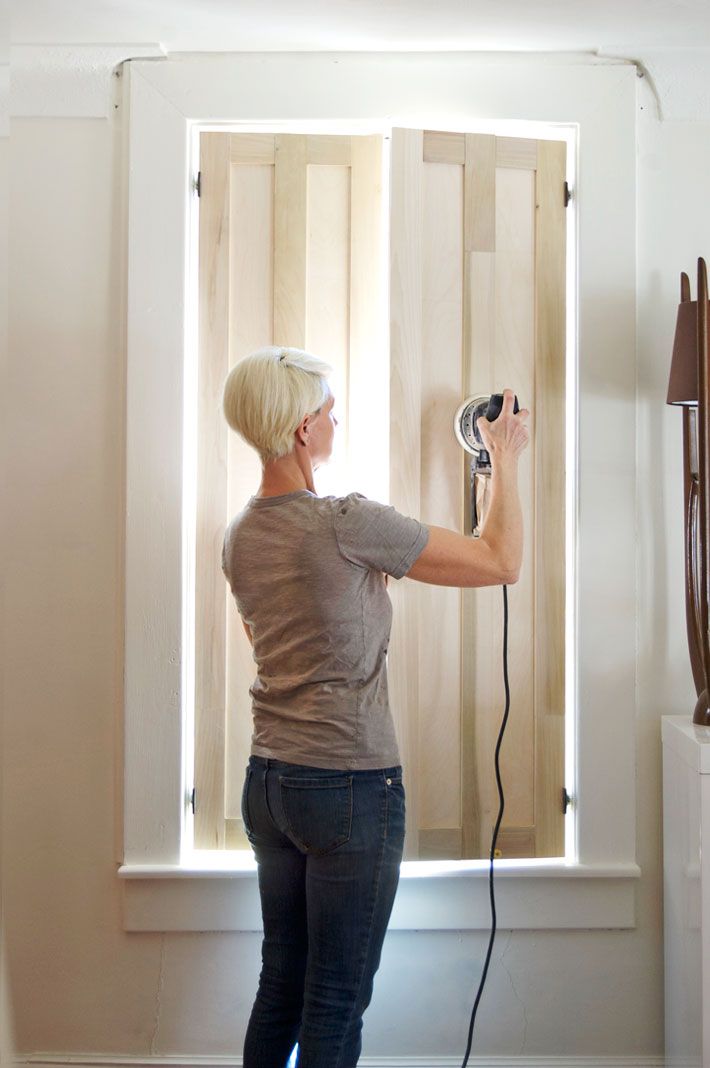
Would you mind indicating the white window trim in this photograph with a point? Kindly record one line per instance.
(167, 890)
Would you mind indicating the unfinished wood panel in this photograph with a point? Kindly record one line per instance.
(550, 512)
(327, 296)
(210, 617)
(468, 314)
(515, 366)
(267, 214)
(480, 193)
(481, 621)
(251, 234)
(476, 645)
(252, 148)
(515, 842)
(503, 354)
(405, 431)
(438, 777)
(440, 843)
(290, 222)
(251, 238)
(328, 149)
(443, 147)
(477, 355)
(368, 372)
(516, 152)
(501, 338)
(234, 837)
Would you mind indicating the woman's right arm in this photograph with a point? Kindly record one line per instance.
(493, 559)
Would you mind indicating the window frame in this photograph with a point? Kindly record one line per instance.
(166, 889)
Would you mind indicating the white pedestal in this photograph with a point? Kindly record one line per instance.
(686, 884)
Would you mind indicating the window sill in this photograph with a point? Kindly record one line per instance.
(218, 892)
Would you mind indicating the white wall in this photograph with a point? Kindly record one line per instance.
(80, 983)
(6, 1018)
(674, 230)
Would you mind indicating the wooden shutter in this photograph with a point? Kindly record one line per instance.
(477, 303)
(289, 254)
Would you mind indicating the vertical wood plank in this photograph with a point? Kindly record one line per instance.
(515, 367)
(327, 297)
(251, 240)
(500, 352)
(439, 780)
(211, 504)
(550, 497)
(290, 222)
(480, 193)
(405, 431)
(479, 336)
(368, 382)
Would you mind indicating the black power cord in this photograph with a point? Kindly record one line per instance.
(496, 829)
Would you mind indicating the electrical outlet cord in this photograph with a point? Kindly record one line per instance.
(496, 829)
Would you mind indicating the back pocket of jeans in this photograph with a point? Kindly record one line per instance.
(318, 811)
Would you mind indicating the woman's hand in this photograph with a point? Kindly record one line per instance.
(507, 436)
(494, 558)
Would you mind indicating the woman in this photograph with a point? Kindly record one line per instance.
(323, 801)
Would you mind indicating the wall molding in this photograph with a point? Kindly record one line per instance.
(166, 101)
(70, 81)
(579, 897)
(86, 1060)
(679, 79)
(62, 81)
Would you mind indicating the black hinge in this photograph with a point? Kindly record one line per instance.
(566, 800)
(197, 184)
(192, 800)
(568, 194)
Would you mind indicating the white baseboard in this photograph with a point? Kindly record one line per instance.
(87, 1060)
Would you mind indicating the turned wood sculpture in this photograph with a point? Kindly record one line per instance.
(689, 386)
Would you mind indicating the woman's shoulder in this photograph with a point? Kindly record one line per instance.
(349, 499)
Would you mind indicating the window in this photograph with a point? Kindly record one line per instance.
(167, 102)
(292, 251)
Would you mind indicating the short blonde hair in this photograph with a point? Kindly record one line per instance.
(269, 392)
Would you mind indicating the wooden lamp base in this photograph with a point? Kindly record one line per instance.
(701, 715)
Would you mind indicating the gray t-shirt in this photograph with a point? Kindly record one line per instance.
(307, 576)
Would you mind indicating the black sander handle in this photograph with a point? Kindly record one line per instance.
(495, 407)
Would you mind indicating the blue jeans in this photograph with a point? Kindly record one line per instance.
(328, 846)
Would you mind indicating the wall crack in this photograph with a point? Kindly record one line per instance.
(517, 995)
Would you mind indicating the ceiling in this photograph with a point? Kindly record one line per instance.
(368, 25)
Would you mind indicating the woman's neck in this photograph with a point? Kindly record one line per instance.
(286, 475)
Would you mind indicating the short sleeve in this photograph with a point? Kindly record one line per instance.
(377, 536)
(226, 553)
(225, 570)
